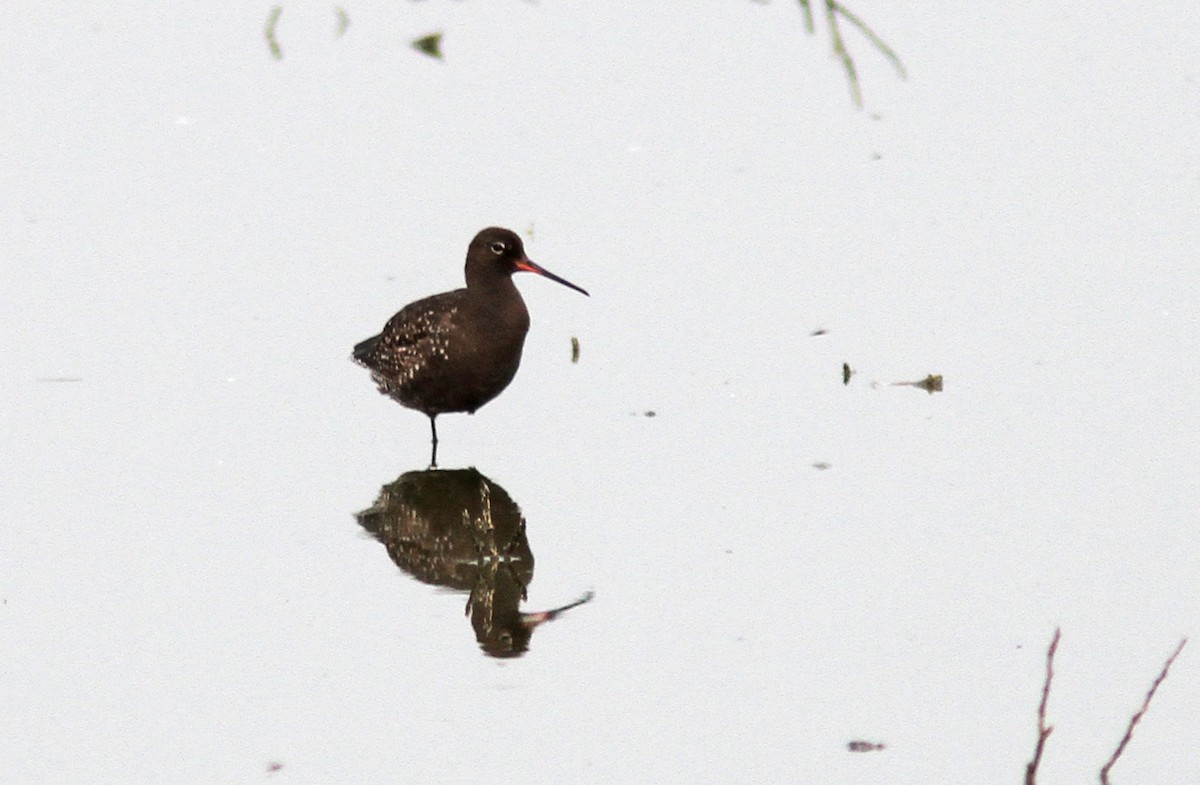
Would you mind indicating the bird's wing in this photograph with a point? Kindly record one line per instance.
(409, 339)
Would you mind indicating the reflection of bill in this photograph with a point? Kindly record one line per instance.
(459, 530)
(534, 619)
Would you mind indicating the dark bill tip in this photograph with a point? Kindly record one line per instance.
(530, 267)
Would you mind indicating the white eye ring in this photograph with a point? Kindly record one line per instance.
(498, 248)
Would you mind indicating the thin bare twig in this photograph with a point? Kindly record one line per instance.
(1138, 716)
(1044, 730)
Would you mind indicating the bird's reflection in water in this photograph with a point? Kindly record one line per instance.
(458, 529)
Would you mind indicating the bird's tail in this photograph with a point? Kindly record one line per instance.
(363, 350)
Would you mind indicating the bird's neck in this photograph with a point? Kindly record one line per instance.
(492, 286)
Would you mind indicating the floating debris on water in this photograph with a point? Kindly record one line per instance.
(865, 746)
(930, 384)
(822, 466)
(343, 20)
(430, 45)
(650, 413)
(818, 331)
(847, 372)
(272, 42)
(574, 349)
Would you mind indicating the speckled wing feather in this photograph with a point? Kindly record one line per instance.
(410, 339)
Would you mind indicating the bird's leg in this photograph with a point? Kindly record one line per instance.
(433, 429)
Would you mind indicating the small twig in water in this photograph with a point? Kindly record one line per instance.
(272, 42)
(808, 17)
(1044, 730)
(833, 10)
(1138, 716)
(886, 50)
(839, 49)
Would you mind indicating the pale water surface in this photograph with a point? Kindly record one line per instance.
(195, 234)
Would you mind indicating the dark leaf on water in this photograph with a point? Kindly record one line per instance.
(430, 45)
(930, 384)
(864, 746)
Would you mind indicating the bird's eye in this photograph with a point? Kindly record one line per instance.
(498, 248)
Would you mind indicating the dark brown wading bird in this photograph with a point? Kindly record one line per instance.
(455, 351)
